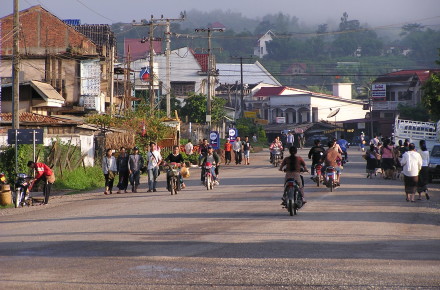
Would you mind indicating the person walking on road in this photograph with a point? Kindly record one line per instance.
(228, 149)
(412, 163)
(289, 140)
(238, 149)
(135, 163)
(189, 148)
(371, 157)
(154, 160)
(246, 150)
(109, 169)
(122, 165)
(422, 185)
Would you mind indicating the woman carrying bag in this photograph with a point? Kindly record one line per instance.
(109, 169)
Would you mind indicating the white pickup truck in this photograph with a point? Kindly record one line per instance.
(416, 131)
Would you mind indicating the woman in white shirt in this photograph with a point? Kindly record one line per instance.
(109, 169)
(422, 185)
(412, 163)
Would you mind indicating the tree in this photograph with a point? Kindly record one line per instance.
(431, 96)
(195, 108)
(415, 113)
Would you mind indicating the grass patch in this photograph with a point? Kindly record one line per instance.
(80, 179)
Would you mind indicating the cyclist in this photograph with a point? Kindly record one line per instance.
(294, 166)
(275, 147)
(316, 153)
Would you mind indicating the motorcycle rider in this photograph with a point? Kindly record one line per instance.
(43, 173)
(331, 156)
(316, 153)
(343, 144)
(275, 147)
(294, 166)
(176, 157)
(213, 158)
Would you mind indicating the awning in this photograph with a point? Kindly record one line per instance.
(47, 92)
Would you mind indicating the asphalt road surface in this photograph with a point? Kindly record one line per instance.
(363, 235)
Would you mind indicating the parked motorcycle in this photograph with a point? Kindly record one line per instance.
(173, 177)
(20, 195)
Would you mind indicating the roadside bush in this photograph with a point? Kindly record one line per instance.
(80, 179)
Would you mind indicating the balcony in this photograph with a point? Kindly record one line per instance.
(389, 105)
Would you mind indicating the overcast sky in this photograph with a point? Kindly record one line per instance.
(373, 12)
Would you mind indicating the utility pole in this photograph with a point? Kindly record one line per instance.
(242, 107)
(16, 69)
(209, 73)
(152, 25)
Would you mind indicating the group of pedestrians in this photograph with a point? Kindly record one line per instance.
(240, 148)
(391, 160)
(128, 167)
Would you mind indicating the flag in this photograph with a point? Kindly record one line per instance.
(145, 74)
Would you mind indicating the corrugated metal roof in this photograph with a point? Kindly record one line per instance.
(27, 117)
(139, 50)
(230, 73)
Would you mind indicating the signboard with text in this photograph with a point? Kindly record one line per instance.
(214, 139)
(233, 133)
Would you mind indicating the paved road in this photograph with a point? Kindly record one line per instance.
(363, 235)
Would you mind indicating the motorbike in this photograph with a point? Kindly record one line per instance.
(276, 158)
(330, 177)
(173, 177)
(318, 174)
(20, 195)
(292, 199)
(209, 179)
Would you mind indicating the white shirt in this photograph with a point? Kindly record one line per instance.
(412, 163)
(154, 159)
(189, 148)
(237, 146)
(290, 138)
(425, 157)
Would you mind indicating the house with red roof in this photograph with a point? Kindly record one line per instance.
(388, 91)
(288, 105)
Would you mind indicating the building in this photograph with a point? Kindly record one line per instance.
(388, 91)
(260, 49)
(59, 55)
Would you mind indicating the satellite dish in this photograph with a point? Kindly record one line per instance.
(333, 113)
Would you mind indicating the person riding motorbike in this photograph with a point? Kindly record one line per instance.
(212, 158)
(294, 165)
(344, 145)
(176, 157)
(275, 147)
(331, 156)
(316, 153)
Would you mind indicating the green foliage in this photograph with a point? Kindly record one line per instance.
(415, 113)
(193, 158)
(246, 127)
(80, 179)
(431, 96)
(195, 108)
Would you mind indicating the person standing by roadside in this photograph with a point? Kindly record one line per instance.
(371, 158)
(228, 149)
(43, 172)
(422, 185)
(302, 140)
(122, 165)
(238, 149)
(135, 163)
(109, 169)
(154, 159)
(189, 148)
(387, 152)
(412, 163)
(289, 140)
(254, 138)
(246, 150)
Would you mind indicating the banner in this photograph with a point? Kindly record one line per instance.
(214, 139)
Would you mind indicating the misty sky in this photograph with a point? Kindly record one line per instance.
(373, 12)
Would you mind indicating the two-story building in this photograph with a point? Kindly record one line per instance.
(391, 90)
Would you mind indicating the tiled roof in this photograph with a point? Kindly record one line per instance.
(35, 118)
(422, 74)
(269, 91)
(202, 59)
(140, 50)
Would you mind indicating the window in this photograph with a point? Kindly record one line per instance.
(392, 96)
(182, 88)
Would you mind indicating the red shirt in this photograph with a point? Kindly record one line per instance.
(42, 169)
(228, 146)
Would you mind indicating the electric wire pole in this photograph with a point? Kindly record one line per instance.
(16, 69)
(242, 107)
(210, 71)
